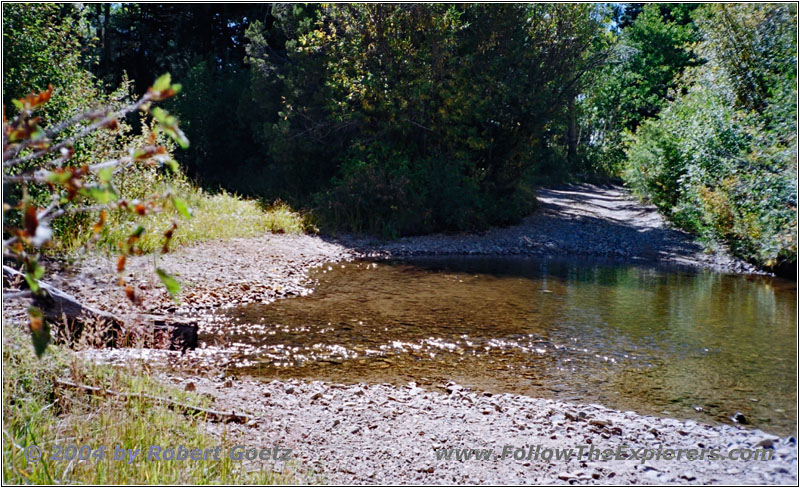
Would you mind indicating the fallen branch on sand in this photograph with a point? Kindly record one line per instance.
(208, 414)
(61, 307)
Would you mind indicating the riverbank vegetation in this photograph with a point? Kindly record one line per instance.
(39, 412)
(720, 159)
(410, 119)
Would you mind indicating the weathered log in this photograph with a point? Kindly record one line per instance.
(212, 415)
(61, 307)
(56, 304)
(183, 332)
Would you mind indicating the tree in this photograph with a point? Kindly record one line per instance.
(36, 156)
(640, 78)
(438, 110)
(720, 159)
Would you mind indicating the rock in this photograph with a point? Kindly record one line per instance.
(652, 474)
(189, 386)
(767, 442)
(739, 418)
(452, 388)
(600, 422)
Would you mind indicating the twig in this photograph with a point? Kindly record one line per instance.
(88, 130)
(7, 295)
(212, 415)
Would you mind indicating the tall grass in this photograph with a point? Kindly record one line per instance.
(214, 216)
(36, 413)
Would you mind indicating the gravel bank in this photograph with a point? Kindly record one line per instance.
(581, 220)
(389, 435)
(212, 274)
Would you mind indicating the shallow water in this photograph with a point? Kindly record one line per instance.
(671, 342)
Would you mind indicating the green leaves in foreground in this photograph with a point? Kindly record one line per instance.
(164, 88)
(33, 274)
(173, 287)
(169, 124)
(102, 195)
(40, 331)
(181, 207)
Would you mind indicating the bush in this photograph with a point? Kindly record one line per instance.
(404, 119)
(721, 163)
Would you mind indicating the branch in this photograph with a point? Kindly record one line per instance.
(88, 130)
(419, 125)
(40, 175)
(50, 133)
(212, 415)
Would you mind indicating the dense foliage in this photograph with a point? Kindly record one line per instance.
(413, 118)
(721, 159)
(405, 119)
(639, 78)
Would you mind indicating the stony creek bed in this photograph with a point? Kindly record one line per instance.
(605, 328)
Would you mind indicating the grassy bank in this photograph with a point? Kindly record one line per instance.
(37, 413)
(219, 215)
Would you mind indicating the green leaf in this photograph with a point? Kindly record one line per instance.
(32, 283)
(59, 177)
(173, 287)
(159, 114)
(176, 87)
(38, 271)
(172, 165)
(18, 104)
(38, 133)
(138, 232)
(169, 124)
(178, 136)
(162, 83)
(102, 195)
(33, 274)
(181, 207)
(105, 174)
(40, 331)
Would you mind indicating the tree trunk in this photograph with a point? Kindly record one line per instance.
(572, 135)
(106, 40)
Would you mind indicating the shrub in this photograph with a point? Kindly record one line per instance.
(415, 118)
(721, 161)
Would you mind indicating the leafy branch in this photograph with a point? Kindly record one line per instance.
(34, 156)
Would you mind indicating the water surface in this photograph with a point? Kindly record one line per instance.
(671, 342)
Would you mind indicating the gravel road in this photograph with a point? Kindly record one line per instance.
(582, 220)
